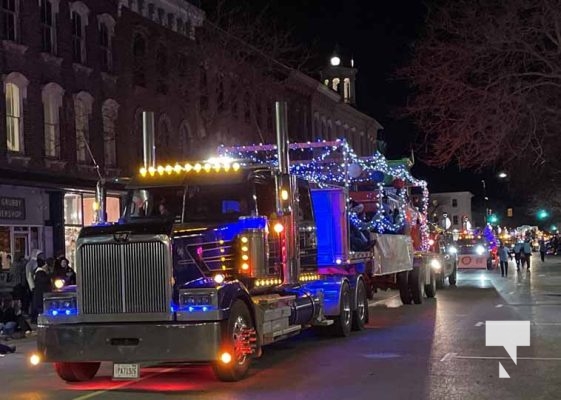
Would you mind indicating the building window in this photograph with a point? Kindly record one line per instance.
(454, 202)
(52, 102)
(79, 17)
(162, 67)
(455, 220)
(106, 29)
(109, 111)
(15, 89)
(163, 138)
(139, 52)
(48, 26)
(82, 111)
(326, 82)
(335, 84)
(347, 90)
(10, 19)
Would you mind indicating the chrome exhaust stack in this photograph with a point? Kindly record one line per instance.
(287, 198)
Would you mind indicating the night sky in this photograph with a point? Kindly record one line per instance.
(380, 35)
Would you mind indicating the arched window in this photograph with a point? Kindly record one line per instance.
(106, 26)
(139, 54)
(335, 84)
(15, 90)
(162, 67)
(79, 17)
(52, 103)
(163, 138)
(185, 136)
(82, 111)
(347, 90)
(9, 13)
(326, 82)
(109, 112)
(49, 9)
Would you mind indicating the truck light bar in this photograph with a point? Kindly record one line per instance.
(189, 168)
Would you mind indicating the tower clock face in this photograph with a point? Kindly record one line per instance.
(335, 61)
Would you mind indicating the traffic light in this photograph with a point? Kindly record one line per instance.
(543, 214)
(493, 219)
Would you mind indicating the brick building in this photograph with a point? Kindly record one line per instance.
(78, 74)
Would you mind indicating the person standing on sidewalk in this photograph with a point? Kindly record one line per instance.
(542, 249)
(503, 259)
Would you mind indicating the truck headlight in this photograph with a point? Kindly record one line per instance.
(435, 264)
(60, 305)
(479, 249)
(197, 300)
(452, 250)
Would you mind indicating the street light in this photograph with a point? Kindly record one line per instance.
(502, 175)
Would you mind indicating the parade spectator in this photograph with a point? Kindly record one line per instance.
(503, 259)
(17, 272)
(517, 251)
(8, 318)
(42, 285)
(31, 266)
(543, 249)
(525, 254)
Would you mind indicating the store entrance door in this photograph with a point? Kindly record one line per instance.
(21, 244)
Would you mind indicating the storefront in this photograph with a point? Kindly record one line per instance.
(79, 211)
(23, 212)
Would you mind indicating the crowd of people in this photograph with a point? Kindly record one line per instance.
(30, 280)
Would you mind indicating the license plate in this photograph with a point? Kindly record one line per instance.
(126, 371)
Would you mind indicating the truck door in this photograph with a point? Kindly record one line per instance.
(307, 228)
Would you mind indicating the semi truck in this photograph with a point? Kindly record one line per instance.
(209, 263)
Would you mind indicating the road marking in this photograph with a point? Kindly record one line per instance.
(507, 358)
(448, 356)
(100, 392)
(547, 323)
(499, 306)
(480, 323)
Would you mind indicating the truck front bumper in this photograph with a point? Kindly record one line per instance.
(128, 343)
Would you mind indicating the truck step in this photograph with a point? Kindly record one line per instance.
(276, 313)
(281, 334)
(273, 300)
(325, 322)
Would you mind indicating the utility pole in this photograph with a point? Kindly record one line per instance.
(484, 202)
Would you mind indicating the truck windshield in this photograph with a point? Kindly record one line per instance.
(218, 202)
(202, 203)
(155, 202)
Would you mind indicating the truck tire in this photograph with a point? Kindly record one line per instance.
(403, 285)
(453, 276)
(238, 321)
(440, 280)
(343, 322)
(416, 284)
(360, 315)
(76, 371)
(430, 289)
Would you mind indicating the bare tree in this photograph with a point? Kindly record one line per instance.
(487, 77)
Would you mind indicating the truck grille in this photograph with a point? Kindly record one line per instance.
(123, 278)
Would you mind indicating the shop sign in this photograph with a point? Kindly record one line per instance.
(12, 208)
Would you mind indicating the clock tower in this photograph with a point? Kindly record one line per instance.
(340, 75)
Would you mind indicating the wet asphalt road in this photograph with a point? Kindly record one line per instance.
(431, 351)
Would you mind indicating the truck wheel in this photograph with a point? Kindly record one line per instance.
(342, 325)
(453, 275)
(430, 289)
(416, 284)
(403, 285)
(76, 371)
(234, 341)
(440, 280)
(360, 315)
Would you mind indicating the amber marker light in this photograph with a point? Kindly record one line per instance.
(225, 358)
(236, 166)
(245, 266)
(143, 172)
(34, 359)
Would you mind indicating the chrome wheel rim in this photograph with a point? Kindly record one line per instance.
(361, 303)
(240, 325)
(346, 311)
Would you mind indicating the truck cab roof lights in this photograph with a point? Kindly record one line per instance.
(189, 168)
